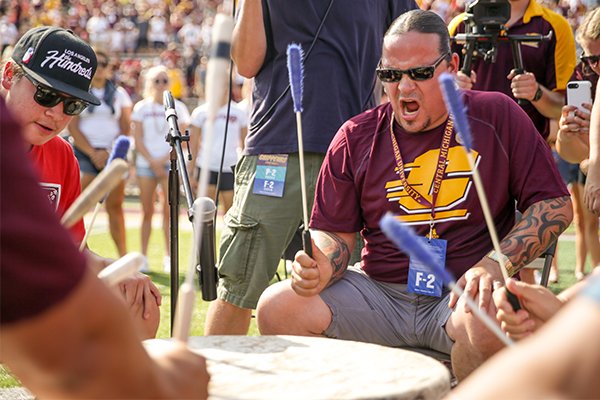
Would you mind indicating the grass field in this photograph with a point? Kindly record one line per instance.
(102, 244)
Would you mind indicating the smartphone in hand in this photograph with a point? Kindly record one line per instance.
(579, 92)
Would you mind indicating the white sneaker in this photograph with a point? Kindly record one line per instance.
(145, 268)
(167, 264)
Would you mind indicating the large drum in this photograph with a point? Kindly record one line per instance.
(297, 367)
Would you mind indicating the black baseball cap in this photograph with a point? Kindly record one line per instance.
(57, 58)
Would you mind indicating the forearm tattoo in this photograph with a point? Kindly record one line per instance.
(539, 226)
(336, 250)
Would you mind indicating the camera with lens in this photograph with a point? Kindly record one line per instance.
(484, 20)
(488, 16)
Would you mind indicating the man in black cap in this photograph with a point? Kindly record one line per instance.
(45, 83)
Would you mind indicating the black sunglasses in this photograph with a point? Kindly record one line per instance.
(416, 74)
(47, 97)
(591, 61)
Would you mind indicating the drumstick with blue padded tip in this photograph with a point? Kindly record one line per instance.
(296, 76)
(119, 151)
(454, 103)
(407, 241)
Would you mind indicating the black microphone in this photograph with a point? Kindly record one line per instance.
(170, 113)
(207, 268)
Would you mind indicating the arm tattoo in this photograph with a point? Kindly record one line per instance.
(336, 250)
(540, 225)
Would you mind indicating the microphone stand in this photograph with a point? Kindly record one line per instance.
(177, 165)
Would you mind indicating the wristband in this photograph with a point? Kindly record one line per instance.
(510, 269)
(538, 94)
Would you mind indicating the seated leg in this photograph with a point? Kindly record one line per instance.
(282, 312)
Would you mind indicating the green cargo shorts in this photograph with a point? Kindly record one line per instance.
(258, 229)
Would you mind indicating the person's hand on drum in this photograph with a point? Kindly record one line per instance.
(478, 281)
(310, 275)
(538, 305)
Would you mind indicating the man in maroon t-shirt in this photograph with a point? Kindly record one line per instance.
(385, 160)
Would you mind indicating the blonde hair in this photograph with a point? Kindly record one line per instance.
(589, 29)
(149, 78)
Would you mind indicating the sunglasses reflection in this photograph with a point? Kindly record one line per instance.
(390, 75)
(49, 98)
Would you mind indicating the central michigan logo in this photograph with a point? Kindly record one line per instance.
(455, 187)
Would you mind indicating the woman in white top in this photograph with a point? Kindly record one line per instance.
(210, 151)
(152, 162)
(94, 132)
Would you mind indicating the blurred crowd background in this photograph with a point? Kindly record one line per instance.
(136, 35)
(143, 33)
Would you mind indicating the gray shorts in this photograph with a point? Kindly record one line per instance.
(366, 310)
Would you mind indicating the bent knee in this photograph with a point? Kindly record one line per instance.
(273, 309)
(281, 311)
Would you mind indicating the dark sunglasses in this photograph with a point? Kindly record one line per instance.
(416, 74)
(159, 81)
(591, 61)
(47, 97)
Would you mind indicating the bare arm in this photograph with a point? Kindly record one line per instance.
(539, 226)
(565, 368)
(195, 148)
(550, 104)
(249, 42)
(125, 121)
(524, 86)
(337, 247)
(90, 350)
(592, 185)
(243, 134)
(97, 156)
(541, 223)
(572, 142)
(331, 254)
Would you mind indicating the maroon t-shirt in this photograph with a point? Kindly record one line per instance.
(39, 263)
(358, 184)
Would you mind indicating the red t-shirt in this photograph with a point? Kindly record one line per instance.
(39, 263)
(358, 184)
(59, 177)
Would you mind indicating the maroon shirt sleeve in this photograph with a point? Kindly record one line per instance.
(39, 263)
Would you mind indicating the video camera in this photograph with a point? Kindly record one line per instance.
(487, 16)
(484, 28)
(484, 25)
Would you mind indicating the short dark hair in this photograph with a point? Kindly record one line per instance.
(422, 22)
